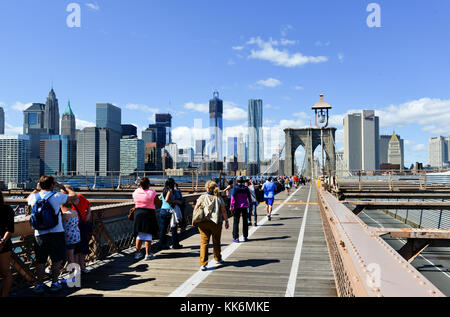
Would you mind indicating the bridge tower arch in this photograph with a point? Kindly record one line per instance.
(309, 138)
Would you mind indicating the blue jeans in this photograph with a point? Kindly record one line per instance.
(165, 217)
(255, 205)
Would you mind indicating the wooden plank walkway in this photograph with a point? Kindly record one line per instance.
(260, 267)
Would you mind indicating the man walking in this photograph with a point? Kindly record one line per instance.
(241, 201)
(269, 196)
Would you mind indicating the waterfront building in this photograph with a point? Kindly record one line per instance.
(128, 130)
(438, 151)
(216, 128)
(2, 121)
(109, 116)
(14, 159)
(384, 147)
(361, 141)
(395, 154)
(51, 114)
(68, 141)
(255, 135)
(132, 154)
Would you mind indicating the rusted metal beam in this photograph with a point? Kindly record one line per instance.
(23, 269)
(356, 252)
(406, 233)
(429, 205)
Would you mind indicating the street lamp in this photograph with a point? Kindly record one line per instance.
(321, 112)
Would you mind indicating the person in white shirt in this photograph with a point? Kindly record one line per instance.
(50, 242)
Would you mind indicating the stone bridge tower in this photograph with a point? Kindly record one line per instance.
(309, 138)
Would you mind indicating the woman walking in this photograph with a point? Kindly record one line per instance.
(252, 189)
(168, 203)
(214, 204)
(6, 231)
(145, 223)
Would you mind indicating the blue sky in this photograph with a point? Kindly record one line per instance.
(143, 54)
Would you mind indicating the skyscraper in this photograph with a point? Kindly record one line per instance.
(51, 114)
(216, 128)
(98, 150)
(232, 148)
(395, 154)
(14, 159)
(2, 121)
(255, 134)
(132, 154)
(109, 116)
(438, 151)
(160, 131)
(384, 147)
(129, 130)
(68, 141)
(361, 141)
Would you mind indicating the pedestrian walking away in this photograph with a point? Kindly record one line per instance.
(254, 206)
(269, 189)
(145, 224)
(241, 202)
(208, 216)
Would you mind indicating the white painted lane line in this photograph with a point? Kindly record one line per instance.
(290, 290)
(190, 284)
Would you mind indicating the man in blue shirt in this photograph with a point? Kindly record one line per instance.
(269, 196)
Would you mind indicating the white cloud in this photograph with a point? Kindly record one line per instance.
(419, 148)
(269, 106)
(19, 106)
(283, 58)
(341, 57)
(320, 43)
(9, 129)
(285, 28)
(238, 48)
(298, 88)
(141, 107)
(81, 124)
(232, 112)
(269, 82)
(93, 6)
(286, 42)
(230, 62)
(200, 107)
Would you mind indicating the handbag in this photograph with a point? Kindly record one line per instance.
(131, 214)
(203, 212)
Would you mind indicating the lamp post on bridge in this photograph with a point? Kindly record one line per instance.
(321, 113)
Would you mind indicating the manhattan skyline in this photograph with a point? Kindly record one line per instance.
(150, 57)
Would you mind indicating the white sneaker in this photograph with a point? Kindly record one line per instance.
(150, 256)
(48, 270)
(138, 256)
(203, 268)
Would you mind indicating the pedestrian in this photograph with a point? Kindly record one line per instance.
(241, 201)
(71, 232)
(254, 206)
(212, 225)
(6, 246)
(83, 209)
(182, 205)
(50, 241)
(168, 203)
(269, 189)
(145, 224)
(287, 185)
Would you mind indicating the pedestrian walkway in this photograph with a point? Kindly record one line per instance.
(286, 256)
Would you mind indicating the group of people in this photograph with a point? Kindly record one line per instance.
(62, 228)
(67, 241)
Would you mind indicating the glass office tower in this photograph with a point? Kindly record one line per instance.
(216, 128)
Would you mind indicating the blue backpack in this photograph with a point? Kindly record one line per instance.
(43, 215)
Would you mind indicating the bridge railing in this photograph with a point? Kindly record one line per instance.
(363, 263)
(112, 233)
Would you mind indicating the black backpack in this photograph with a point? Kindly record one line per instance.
(43, 215)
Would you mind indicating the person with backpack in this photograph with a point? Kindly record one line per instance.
(6, 246)
(49, 231)
(208, 216)
(241, 203)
